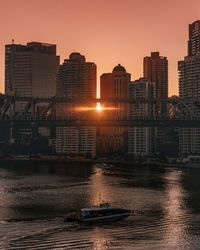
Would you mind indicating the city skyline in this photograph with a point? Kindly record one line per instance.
(108, 33)
(100, 124)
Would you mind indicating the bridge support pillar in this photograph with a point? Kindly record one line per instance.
(11, 136)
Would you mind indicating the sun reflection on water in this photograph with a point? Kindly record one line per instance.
(175, 209)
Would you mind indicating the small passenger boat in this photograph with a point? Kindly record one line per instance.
(103, 212)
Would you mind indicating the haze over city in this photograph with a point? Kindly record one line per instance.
(107, 32)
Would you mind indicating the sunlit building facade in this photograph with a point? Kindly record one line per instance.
(76, 79)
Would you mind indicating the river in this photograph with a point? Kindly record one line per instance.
(34, 199)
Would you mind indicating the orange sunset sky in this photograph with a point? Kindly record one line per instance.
(107, 32)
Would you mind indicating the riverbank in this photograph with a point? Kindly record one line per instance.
(56, 159)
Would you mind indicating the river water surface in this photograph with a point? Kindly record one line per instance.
(35, 197)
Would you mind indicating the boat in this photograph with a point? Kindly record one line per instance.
(102, 213)
(103, 165)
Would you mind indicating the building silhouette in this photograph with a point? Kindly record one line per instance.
(114, 85)
(76, 79)
(30, 70)
(155, 68)
(189, 87)
(194, 38)
(141, 139)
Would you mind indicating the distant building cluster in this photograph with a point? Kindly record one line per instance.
(34, 70)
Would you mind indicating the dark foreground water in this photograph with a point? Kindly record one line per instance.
(34, 199)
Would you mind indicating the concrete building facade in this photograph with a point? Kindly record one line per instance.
(194, 38)
(141, 140)
(189, 87)
(30, 70)
(76, 79)
(155, 68)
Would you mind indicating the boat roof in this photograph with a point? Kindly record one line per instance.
(95, 208)
(102, 206)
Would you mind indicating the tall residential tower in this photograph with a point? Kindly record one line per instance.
(156, 69)
(141, 139)
(194, 38)
(76, 79)
(189, 87)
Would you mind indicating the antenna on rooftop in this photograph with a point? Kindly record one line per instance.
(13, 41)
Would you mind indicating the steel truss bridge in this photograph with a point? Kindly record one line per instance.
(22, 112)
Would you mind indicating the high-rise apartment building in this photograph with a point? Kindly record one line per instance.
(194, 38)
(189, 87)
(155, 69)
(141, 139)
(76, 79)
(114, 85)
(189, 77)
(30, 70)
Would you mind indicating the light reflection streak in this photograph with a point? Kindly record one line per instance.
(176, 211)
(99, 188)
(6, 199)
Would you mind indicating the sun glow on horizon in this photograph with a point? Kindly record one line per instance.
(98, 107)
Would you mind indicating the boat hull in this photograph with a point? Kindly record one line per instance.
(106, 218)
